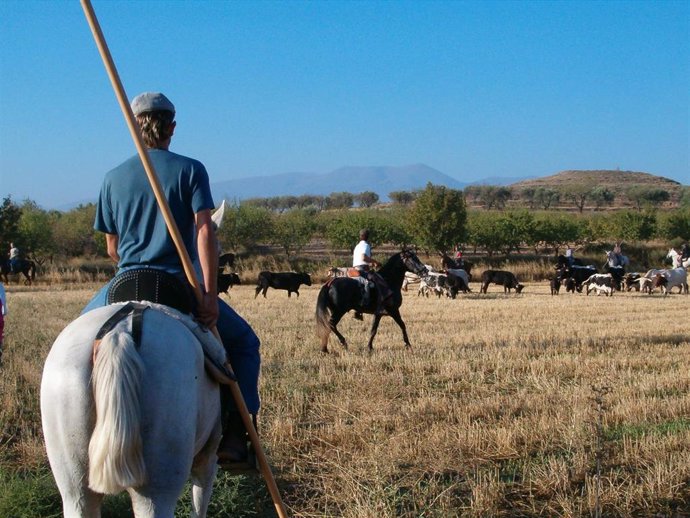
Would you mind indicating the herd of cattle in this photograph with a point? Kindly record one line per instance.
(587, 279)
(451, 281)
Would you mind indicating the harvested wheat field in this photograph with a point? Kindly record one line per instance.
(507, 405)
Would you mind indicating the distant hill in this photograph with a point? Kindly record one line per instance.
(381, 180)
(616, 181)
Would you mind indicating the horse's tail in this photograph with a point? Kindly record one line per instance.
(116, 458)
(323, 314)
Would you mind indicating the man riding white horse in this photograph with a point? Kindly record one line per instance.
(128, 214)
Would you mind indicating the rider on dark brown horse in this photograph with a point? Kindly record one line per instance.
(362, 261)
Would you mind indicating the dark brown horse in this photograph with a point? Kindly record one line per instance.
(23, 266)
(455, 264)
(340, 295)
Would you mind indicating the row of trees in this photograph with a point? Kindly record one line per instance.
(490, 197)
(437, 220)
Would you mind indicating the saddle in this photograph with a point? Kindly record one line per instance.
(152, 285)
(353, 272)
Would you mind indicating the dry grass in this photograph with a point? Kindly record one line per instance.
(490, 414)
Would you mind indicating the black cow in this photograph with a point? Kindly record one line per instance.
(226, 260)
(617, 273)
(289, 281)
(631, 281)
(226, 280)
(569, 284)
(455, 283)
(502, 278)
(579, 274)
(555, 283)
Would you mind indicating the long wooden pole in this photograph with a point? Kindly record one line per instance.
(177, 239)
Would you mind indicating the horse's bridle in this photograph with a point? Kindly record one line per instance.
(407, 258)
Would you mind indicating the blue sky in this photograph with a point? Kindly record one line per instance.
(474, 89)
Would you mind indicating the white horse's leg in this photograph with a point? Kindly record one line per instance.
(206, 462)
(67, 418)
(171, 413)
(203, 476)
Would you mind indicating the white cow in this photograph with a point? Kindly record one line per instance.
(413, 278)
(601, 283)
(433, 282)
(669, 279)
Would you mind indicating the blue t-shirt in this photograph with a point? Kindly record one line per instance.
(127, 207)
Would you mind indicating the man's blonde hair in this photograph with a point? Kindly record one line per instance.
(156, 127)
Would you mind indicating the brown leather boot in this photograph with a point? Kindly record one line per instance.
(233, 445)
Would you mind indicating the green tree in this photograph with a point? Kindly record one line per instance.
(545, 198)
(36, 229)
(493, 196)
(402, 197)
(601, 196)
(644, 196)
(10, 213)
(367, 199)
(632, 225)
(516, 228)
(483, 232)
(438, 218)
(293, 230)
(340, 200)
(527, 194)
(555, 230)
(684, 199)
(245, 226)
(675, 225)
(385, 226)
(578, 194)
(74, 235)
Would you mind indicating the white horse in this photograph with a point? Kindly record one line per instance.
(141, 418)
(677, 259)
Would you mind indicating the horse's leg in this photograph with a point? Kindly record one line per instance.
(205, 462)
(374, 328)
(333, 323)
(66, 412)
(395, 315)
(170, 442)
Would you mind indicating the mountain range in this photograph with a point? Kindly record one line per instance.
(382, 180)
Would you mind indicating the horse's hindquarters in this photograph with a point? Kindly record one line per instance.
(179, 409)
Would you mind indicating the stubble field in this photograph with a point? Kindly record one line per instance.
(507, 405)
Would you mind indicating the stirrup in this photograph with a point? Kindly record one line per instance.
(250, 466)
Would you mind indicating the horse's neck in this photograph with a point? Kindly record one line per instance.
(393, 272)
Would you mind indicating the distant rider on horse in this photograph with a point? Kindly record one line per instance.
(684, 252)
(14, 259)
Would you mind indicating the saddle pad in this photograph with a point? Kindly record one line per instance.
(353, 272)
